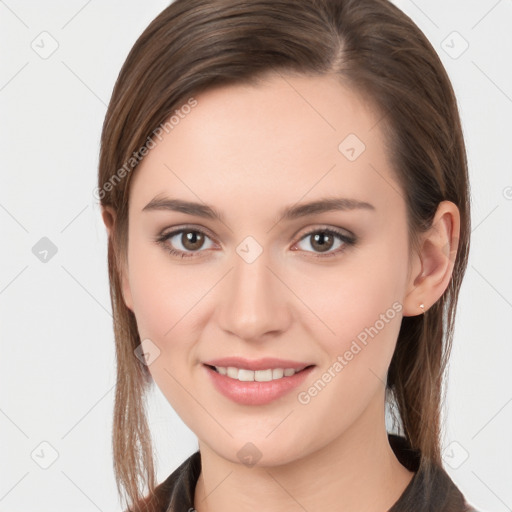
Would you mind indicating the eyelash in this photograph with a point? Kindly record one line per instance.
(347, 240)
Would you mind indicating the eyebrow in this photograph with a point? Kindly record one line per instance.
(288, 213)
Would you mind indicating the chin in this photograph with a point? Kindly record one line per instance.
(260, 452)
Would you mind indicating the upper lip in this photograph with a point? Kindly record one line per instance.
(257, 364)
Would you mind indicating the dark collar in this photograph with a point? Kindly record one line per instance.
(431, 489)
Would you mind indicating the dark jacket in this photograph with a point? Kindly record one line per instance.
(430, 490)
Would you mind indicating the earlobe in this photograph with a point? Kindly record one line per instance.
(127, 294)
(109, 216)
(436, 260)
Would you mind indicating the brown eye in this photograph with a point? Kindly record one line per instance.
(192, 240)
(185, 242)
(323, 240)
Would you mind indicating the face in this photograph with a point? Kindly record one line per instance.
(318, 288)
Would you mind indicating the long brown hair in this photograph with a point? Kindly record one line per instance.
(370, 45)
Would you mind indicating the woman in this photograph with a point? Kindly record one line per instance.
(285, 190)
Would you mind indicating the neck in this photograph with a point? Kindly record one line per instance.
(357, 471)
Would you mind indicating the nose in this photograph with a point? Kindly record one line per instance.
(255, 302)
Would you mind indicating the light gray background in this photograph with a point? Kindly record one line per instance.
(57, 366)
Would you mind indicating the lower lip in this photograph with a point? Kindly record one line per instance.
(256, 393)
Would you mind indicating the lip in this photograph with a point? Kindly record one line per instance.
(257, 364)
(256, 393)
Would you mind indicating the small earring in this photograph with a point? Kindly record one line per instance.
(422, 306)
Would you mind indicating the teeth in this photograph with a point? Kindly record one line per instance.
(232, 372)
(277, 373)
(244, 375)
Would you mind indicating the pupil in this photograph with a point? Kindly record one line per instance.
(320, 240)
(193, 240)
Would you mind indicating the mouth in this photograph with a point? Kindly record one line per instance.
(265, 375)
(256, 387)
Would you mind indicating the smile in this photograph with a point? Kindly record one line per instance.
(244, 375)
(255, 387)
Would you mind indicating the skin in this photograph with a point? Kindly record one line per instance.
(249, 151)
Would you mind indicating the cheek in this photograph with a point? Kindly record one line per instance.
(358, 314)
(363, 308)
(166, 300)
(343, 300)
(169, 306)
(163, 293)
(353, 296)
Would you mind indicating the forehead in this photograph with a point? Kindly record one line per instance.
(286, 137)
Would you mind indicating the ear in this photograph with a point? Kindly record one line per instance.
(108, 215)
(432, 266)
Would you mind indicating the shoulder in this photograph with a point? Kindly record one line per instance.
(176, 492)
(431, 489)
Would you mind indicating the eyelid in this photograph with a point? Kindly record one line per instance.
(339, 231)
(347, 238)
(190, 227)
(206, 231)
